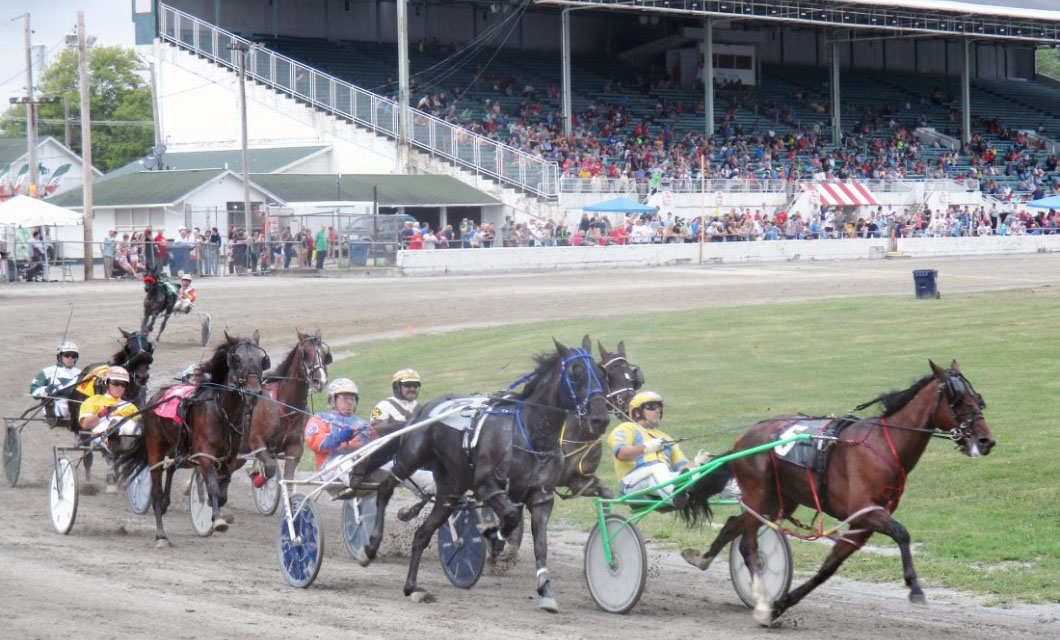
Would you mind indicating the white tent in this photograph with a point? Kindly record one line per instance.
(31, 212)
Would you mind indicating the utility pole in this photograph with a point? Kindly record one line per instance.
(31, 111)
(86, 146)
(242, 48)
(66, 121)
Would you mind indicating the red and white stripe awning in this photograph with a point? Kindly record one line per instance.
(853, 194)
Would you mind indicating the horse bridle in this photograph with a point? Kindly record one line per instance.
(307, 371)
(632, 374)
(145, 350)
(593, 384)
(954, 388)
(257, 369)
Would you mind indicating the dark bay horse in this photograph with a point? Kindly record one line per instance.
(136, 355)
(159, 298)
(209, 435)
(515, 460)
(862, 483)
(279, 418)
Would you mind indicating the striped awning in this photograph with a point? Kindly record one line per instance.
(852, 194)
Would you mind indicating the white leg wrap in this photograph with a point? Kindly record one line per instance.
(763, 613)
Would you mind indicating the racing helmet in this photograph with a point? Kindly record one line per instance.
(643, 398)
(185, 276)
(67, 347)
(341, 385)
(189, 372)
(116, 373)
(402, 376)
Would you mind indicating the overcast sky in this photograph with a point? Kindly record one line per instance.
(110, 21)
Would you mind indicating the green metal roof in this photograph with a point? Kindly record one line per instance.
(393, 190)
(11, 149)
(265, 160)
(139, 189)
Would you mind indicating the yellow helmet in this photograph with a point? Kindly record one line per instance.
(643, 398)
(405, 375)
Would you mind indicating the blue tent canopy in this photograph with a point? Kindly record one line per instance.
(619, 205)
(1052, 202)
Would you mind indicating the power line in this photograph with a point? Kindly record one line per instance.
(107, 123)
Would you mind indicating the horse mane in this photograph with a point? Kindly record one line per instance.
(118, 359)
(217, 364)
(287, 362)
(545, 362)
(892, 401)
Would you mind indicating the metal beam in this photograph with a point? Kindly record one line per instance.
(837, 117)
(966, 92)
(565, 47)
(708, 75)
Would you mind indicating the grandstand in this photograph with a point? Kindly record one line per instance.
(488, 88)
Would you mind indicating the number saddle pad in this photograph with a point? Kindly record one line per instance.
(811, 454)
(171, 401)
(469, 420)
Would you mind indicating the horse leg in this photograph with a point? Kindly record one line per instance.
(702, 560)
(365, 555)
(169, 486)
(161, 330)
(159, 500)
(881, 522)
(88, 467)
(539, 515)
(443, 507)
(213, 489)
(840, 552)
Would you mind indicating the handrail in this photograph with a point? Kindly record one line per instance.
(506, 164)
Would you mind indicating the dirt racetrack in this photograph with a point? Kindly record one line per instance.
(106, 580)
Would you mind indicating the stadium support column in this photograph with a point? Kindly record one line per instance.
(708, 76)
(966, 93)
(837, 119)
(403, 85)
(565, 47)
(241, 48)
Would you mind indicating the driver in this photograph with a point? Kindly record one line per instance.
(393, 412)
(185, 295)
(329, 433)
(102, 412)
(644, 454)
(54, 377)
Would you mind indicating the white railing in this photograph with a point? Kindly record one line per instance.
(642, 186)
(487, 157)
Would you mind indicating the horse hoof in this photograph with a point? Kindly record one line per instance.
(405, 514)
(695, 558)
(763, 615)
(228, 517)
(421, 597)
(112, 488)
(162, 543)
(220, 526)
(918, 599)
(548, 604)
(509, 554)
(361, 557)
(187, 487)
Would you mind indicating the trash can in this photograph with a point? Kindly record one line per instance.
(925, 282)
(179, 258)
(359, 253)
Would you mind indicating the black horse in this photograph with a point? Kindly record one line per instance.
(513, 460)
(208, 436)
(136, 356)
(159, 299)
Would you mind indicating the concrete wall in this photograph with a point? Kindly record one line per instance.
(440, 262)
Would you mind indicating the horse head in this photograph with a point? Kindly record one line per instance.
(136, 356)
(315, 357)
(580, 388)
(246, 362)
(961, 409)
(622, 378)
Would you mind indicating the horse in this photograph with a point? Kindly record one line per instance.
(159, 299)
(515, 458)
(277, 422)
(136, 355)
(209, 433)
(860, 485)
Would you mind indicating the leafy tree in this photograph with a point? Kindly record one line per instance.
(1049, 62)
(118, 92)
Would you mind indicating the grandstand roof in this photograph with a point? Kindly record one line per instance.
(393, 190)
(262, 160)
(142, 189)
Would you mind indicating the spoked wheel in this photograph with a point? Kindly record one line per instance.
(461, 547)
(139, 492)
(12, 453)
(616, 587)
(267, 497)
(300, 556)
(207, 328)
(62, 496)
(199, 508)
(774, 566)
(358, 520)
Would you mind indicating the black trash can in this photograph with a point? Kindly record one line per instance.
(925, 282)
(179, 258)
(359, 253)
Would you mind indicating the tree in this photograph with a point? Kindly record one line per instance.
(118, 93)
(1049, 62)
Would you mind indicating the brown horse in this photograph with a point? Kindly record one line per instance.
(861, 484)
(278, 419)
(209, 434)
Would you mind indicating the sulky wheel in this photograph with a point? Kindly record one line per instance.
(267, 497)
(774, 565)
(139, 492)
(62, 496)
(616, 587)
(300, 556)
(199, 509)
(12, 453)
(207, 327)
(358, 520)
(461, 547)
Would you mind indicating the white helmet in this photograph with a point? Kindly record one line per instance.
(117, 373)
(185, 276)
(67, 347)
(189, 371)
(341, 385)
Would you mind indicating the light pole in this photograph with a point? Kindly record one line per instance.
(242, 48)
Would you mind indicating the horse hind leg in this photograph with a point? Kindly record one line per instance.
(213, 489)
(840, 552)
(702, 559)
(443, 508)
(539, 515)
(161, 330)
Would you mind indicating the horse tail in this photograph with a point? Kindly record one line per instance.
(131, 461)
(697, 506)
